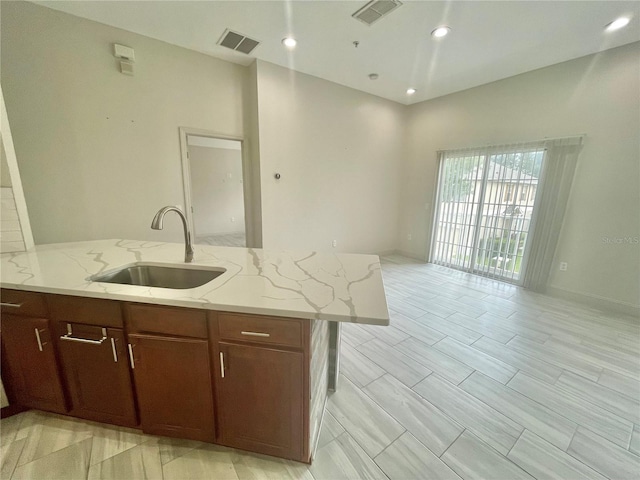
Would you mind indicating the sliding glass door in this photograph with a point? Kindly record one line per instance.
(486, 199)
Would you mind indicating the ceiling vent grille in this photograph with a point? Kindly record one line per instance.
(238, 42)
(375, 10)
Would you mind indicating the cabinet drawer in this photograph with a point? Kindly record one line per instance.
(166, 320)
(17, 302)
(89, 311)
(268, 330)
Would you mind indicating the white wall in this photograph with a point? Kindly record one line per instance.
(99, 151)
(216, 190)
(338, 152)
(595, 95)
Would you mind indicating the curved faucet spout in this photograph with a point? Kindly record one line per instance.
(157, 224)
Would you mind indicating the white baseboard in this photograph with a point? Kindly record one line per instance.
(602, 303)
(411, 255)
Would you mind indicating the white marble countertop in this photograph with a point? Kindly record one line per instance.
(326, 286)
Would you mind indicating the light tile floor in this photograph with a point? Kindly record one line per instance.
(474, 379)
(228, 240)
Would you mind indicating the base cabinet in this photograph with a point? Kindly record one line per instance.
(96, 367)
(169, 351)
(228, 378)
(259, 398)
(29, 366)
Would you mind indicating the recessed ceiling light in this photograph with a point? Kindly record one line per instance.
(440, 31)
(617, 24)
(411, 91)
(373, 76)
(289, 42)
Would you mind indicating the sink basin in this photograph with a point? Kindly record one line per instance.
(163, 276)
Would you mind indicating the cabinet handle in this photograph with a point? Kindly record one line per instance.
(38, 339)
(82, 340)
(12, 305)
(256, 334)
(113, 349)
(222, 364)
(69, 338)
(133, 363)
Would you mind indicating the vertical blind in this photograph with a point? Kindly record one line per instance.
(500, 208)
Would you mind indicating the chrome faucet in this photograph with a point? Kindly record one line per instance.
(156, 224)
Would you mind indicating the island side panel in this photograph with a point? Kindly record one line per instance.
(319, 373)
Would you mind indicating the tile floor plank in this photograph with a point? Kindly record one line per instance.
(9, 456)
(428, 424)
(451, 329)
(561, 359)
(68, 463)
(476, 359)
(358, 368)
(634, 444)
(344, 459)
(574, 408)
(421, 332)
(401, 366)
(534, 367)
(407, 458)
(621, 405)
(544, 461)
(364, 420)
(447, 367)
(485, 326)
(490, 425)
(620, 383)
(331, 429)
(141, 462)
(533, 416)
(201, 463)
(604, 456)
(472, 459)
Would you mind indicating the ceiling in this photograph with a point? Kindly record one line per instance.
(489, 40)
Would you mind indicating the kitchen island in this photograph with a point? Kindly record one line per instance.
(272, 316)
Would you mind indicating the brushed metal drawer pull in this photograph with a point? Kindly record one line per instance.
(133, 363)
(38, 339)
(69, 338)
(256, 334)
(222, 364)
(113, 349)
(83, 340)
(12, 305)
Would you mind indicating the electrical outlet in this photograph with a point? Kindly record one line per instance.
(334, 243)
(233, 219)
(564, 266)
(409, 237)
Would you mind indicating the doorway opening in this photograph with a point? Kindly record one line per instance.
(213, 175)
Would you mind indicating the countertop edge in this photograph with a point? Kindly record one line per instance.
(203, 305)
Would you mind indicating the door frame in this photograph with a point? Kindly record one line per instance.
(186, 178)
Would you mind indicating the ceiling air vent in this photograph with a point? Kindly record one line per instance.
(238, 42)
(375, 10)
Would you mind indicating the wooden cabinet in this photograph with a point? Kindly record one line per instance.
(29, 367)
(172, 373)
(96, 367)
(93, 354)
(234, 379)
(262, 388)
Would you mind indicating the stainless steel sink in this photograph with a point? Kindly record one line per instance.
(163, 276)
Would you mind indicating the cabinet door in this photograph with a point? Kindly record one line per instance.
(96, 366)
(260, 400)
(173, 383)
(31, 363)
